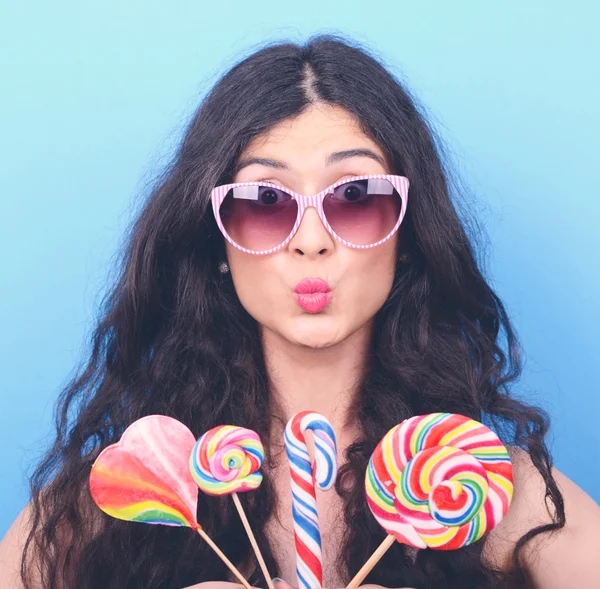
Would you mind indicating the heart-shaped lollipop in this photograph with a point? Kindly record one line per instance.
(145, 476)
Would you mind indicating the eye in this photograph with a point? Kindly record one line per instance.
(260, 195)
(267, 195)
(351, 191)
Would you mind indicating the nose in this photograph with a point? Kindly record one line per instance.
(312, 238)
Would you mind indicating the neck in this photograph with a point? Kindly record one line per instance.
(324, 380)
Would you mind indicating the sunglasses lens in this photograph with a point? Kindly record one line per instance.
(363, 212)
(258, 218)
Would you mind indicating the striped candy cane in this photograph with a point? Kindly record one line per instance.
(304, 476)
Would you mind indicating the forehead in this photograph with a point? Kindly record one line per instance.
(318, 131)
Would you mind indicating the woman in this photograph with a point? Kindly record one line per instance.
(232, 317)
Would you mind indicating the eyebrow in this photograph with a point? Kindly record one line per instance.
(338, 156)
(332, 158)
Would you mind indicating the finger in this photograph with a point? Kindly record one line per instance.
(217, 585)
(380, 587)
(281, 584)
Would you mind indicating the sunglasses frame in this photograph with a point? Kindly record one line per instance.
(400, 184)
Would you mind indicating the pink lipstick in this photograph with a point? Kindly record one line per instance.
(312, 294)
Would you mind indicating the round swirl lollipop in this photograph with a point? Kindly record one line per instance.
(437, 481)
(226, 461)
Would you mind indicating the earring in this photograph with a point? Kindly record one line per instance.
(404, 258)
(223, 268)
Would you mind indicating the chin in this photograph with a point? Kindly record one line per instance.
(316, 331)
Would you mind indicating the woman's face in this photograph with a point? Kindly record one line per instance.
(359, 279)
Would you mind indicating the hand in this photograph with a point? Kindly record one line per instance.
(216, 585)
(279, 584)
(380, 587)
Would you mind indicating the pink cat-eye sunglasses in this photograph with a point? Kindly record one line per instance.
(262, 217)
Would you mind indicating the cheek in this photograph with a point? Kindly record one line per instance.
(372, 279)
(256, 281)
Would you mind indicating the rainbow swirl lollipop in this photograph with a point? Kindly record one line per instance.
(227, 459)
(440, 481)
(437, 481)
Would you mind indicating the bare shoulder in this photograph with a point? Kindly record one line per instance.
(11, 549)
(562, 558)
(13, 543)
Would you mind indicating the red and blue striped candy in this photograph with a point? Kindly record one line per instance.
(304, 476)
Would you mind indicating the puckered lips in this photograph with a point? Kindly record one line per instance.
(312, 294)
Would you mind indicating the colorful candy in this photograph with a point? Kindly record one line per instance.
(309, 564)
(227, 459)
(440, 481)
(145, 476)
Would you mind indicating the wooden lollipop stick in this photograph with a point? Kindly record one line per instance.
(227, 562)
(373, 560)
(259, 556)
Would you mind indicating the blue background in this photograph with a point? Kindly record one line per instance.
(94, 97)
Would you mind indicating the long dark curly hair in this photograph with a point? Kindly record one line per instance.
(173, 339)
